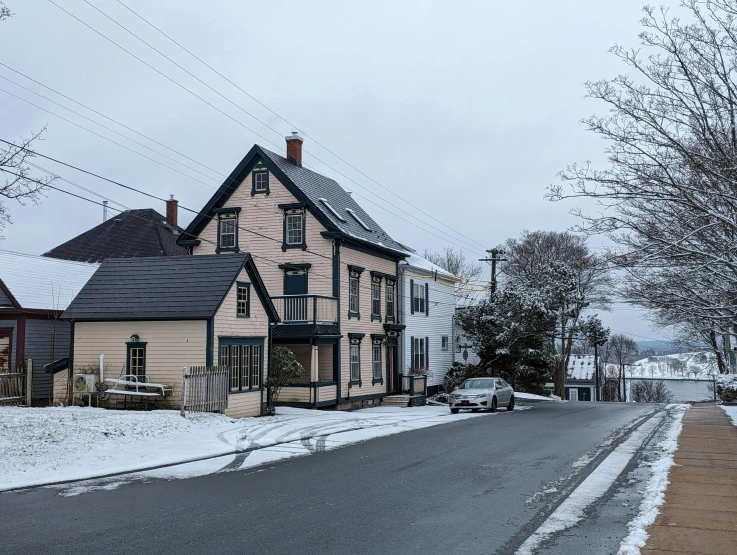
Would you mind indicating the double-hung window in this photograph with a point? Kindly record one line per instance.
(418, 344)
(355, 358)
(354, 277)
(389, 300)
(260, 183)
(294, 228)
(376, 298)
(227, 229)
(419, 299)
(376, 361)
(243, 300)
(444, 343)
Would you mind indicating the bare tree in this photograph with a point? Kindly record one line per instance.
(534, 250)
(623, 353)
(19, 184)
(668, 196)
(650, 391)
(454, 262)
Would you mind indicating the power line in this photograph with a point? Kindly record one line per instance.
(289, 123)
(239, 107)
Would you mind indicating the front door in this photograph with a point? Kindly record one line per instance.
(295, 283)
(392, 370)
(573, 394)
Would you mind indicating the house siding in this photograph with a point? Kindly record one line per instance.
(433, 326)
(170, 346)
(261, 214)
(39, 335)
(4, 300)
(227, 324)
(349, 256)
(14, 325)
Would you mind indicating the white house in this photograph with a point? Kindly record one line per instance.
(427, 308)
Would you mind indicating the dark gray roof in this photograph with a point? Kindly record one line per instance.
(316, 186)
(157, 288)
(130, 234)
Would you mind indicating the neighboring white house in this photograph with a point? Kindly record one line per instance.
(427, 306)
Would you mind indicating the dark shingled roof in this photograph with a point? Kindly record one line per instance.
(308, 187)
(158, 288)
(317, 186)
(130, 234)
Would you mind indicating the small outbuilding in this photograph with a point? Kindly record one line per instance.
(151, 317)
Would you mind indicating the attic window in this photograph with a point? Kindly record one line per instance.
(359, 220)
(326, 204)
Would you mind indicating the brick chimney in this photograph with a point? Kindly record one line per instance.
(294, 149)
(172, 210)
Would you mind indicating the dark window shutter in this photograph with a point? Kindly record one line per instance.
(427, 353)
(411, 296)
(412, 351)
(427, 299)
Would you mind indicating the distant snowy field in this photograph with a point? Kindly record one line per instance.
(702, 364)
(44, 445)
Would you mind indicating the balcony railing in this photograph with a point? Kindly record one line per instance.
(306, 309)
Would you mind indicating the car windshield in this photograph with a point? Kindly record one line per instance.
(479, 383)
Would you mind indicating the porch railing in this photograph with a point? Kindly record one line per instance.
(414, 385)
(306, 309)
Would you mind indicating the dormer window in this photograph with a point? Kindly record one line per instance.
(260, 180)
(227, 229)
(294, 226)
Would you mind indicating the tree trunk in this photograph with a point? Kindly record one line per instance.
(717, 352)
(596, 372)
(624, 384)
(561, 382)
(619, 384)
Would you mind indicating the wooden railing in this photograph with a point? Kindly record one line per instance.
(414, 385)
(306, 309)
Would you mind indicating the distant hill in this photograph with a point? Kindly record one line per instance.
(700, 364)
(656, 348)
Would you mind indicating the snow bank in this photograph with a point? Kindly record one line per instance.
(731, 412)
(532, 396)
(655, 489)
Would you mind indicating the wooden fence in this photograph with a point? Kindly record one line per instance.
(205, 389)
(16, 386)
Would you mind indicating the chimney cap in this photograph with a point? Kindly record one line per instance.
(294, 137)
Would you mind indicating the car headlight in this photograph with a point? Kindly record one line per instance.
(481, 395)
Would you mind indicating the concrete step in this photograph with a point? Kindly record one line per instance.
(395, 401)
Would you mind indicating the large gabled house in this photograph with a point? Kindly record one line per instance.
(34, 291)
(330, 270)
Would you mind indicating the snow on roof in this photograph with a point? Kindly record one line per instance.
(41, 282)
(416, 261)
(581, 367)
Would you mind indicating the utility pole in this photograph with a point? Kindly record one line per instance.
(495, 257)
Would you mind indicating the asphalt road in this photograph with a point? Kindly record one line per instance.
(474, 486)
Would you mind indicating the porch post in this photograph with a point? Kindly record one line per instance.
(314, 374)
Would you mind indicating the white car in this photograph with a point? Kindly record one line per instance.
(482, 393)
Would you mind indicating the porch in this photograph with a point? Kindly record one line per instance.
(318, 384)
(304, 316)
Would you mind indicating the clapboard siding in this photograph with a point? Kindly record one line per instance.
(4, 300)
(371, 263)
(261, 214)
(241, 405)
(437, 323)
(170, 346)
(39, 337)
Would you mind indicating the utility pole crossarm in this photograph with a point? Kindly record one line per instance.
(495, 257)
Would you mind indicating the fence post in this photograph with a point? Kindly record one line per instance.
(29, 382)
(184, 385)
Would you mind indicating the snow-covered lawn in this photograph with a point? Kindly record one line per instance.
(532, 397)
(45, 445)
(731, 412)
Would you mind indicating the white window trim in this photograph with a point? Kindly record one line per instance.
(299, 229)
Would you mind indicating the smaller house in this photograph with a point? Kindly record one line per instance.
(150, 317)
(428, 311)
(131, 234)
(34, 291)
(581, 378)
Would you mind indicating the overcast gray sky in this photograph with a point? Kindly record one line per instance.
(466, 109)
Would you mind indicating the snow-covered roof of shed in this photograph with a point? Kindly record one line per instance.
(417, 261)
(581, 367)
(40, 282)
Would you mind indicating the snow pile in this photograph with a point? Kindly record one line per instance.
(531, 397)
(726, 381)
(655, 489)
(731, 412)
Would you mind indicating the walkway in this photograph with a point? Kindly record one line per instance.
(700, 510)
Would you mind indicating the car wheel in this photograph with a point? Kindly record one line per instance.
(510, 406)
(493, 404)
(454, 411)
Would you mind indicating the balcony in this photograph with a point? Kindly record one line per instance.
(304, 316)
